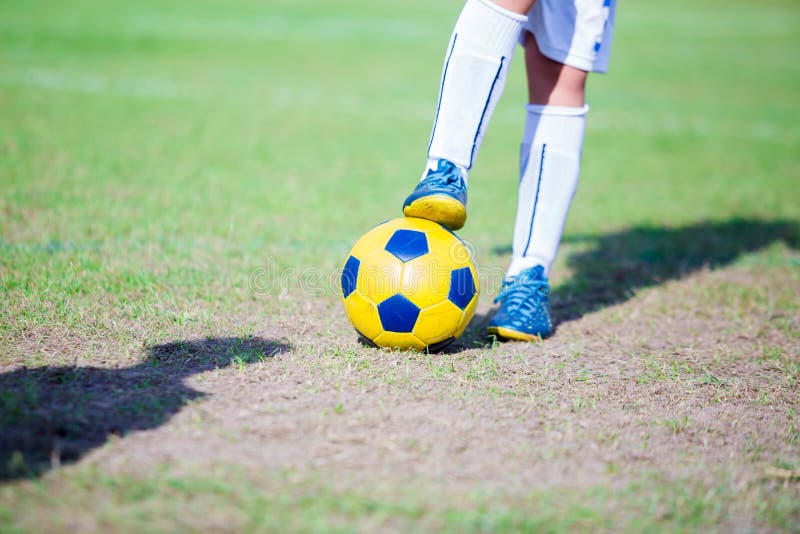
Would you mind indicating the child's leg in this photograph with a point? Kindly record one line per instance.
(473, 78)
(549, 158)
(475, 68)
(563, 42)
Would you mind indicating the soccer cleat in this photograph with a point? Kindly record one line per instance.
(524, 313)
(440, 197)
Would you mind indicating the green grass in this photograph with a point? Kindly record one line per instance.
(172, 170)
(167, 503)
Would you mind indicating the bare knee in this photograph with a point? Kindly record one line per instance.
(517, 6)
(551, 82)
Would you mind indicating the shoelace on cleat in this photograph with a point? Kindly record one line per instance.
(517, 294)
(446, 177)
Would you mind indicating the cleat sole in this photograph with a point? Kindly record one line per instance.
(438, 208)
(512, 335)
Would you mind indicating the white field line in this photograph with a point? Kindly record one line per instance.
(93, 84)
(753, 22)
(659, 124)
(695, 126)
(277, 27)
(274, 27)
(310, 97)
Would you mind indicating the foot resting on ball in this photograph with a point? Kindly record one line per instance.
(524, 313)
(441, 197)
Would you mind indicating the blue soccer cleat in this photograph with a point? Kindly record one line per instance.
(440, 197)
(524, 313)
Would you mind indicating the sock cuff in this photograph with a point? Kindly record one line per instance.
(564, 111)
(519, 264)
(488, 28)
(561, 128)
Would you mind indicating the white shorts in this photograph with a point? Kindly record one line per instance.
(576, 33)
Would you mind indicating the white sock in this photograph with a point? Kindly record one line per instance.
(550, 159)
(473, 78)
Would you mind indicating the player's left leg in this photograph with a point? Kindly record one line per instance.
(476, 65)
(550, 157)
(549, 166)
(558, 54)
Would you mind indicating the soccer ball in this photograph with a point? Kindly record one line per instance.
(411, 284)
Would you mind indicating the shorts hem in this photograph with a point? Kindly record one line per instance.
(577, 61)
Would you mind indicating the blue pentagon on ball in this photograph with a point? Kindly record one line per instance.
(350, 275)
(462, 287)
(398, 314)
(406, 245)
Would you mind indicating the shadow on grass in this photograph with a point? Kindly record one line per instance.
(54, 415)
(614, 266)
(619, 264)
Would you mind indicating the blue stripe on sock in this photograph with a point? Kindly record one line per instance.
(535, 200)
(485, 107)
(441, 90)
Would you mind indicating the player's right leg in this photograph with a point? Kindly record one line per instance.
(475, 68)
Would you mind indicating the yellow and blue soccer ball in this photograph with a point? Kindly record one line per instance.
(411, 284)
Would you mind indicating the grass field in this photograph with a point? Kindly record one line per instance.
(180, 180)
